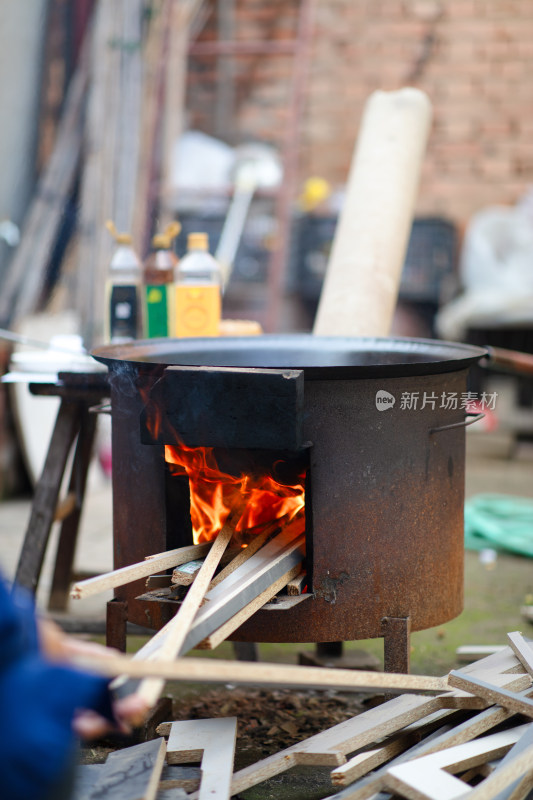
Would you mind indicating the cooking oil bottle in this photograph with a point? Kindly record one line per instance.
(124, 317)
(158, 278)
(198, 290)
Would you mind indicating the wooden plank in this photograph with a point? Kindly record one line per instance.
(262, 674)
(297, 585)
(492, 694)
(177, 629)
(363, 763)
(519, 787)
(151, 565)
(516, 774)
(131, 774)
(283, 603)
(472, 652)
(211, 741)
(429, 778)
(522, 650)
(222, 633)
(179, 777)
(247, 582)
(185, 574)
(501, 661)
(247, 552)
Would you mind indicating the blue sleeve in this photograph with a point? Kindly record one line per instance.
(37, 703)
(38, 700)
(18, 627)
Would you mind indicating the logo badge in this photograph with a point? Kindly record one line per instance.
(384, 400)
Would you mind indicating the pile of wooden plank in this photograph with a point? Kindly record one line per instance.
(472, 738)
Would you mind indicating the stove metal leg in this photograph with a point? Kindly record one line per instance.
(116, 622)
(246, 651)
(396, 632)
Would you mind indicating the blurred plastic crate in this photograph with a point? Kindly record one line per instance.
(430, 259)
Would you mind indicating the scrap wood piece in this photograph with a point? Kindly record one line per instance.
(247, 582)
(184, 574)
(492, 693)
(330, 747)
(179, 777)
(211, 741)
(151, 565)
(475, 726)
(283, 603)
(458, 734)
(522, 649)
(519, 786)
(367, 760)
(296, 586)
(273, 527)
(222, 633)
(501, 661)
(177, 629)
(131, 773)
(429, 778)
(472, 652)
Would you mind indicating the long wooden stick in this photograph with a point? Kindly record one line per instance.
(178, 627)
(151, 565)
(250, 673)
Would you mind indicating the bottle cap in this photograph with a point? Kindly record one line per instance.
(163, 241)
(120, 238)
(198, 241)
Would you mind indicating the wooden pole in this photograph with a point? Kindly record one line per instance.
(252, 673)
(363, 275)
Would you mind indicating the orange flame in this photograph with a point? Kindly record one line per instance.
(253, 499)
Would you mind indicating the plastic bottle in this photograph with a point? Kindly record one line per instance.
(198, 290)
(158, 277)
(124, 317)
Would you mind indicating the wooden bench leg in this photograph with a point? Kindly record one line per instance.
(66, 546)
(45, 497)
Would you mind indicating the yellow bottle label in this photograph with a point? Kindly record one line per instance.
(197, 310)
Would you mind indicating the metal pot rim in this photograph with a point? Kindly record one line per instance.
(320, 357)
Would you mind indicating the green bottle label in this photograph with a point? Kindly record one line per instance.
(156, 310)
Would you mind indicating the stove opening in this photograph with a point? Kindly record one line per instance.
(256, 491)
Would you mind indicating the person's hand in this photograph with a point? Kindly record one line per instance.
(129, 712)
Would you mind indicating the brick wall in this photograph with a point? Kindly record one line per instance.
(474, 58)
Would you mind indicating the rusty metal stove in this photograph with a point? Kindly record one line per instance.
(384, 487)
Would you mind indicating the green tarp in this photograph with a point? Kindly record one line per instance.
(501, 522)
